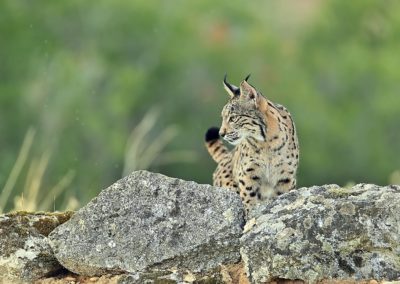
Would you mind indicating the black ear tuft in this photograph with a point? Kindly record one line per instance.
(247, 78)
(231, 89)
(212, 134)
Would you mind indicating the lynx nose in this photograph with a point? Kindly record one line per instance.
(222, 133)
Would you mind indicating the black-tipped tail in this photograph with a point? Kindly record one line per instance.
(215, 147)
(212, 134)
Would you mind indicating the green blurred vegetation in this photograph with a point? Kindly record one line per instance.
(83, 75)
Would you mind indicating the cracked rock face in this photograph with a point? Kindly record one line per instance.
(150, 222)
(25, 254)
(326, 232)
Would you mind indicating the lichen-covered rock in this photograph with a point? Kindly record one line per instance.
(326, 232)
(25, 254)
(149, 222)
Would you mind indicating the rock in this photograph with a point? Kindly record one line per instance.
(148, 222)
(326, 232)
(25, 254)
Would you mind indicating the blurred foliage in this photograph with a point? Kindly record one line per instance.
(84, 74)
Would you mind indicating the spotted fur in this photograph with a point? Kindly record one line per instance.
(265, 157)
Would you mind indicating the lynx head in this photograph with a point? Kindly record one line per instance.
(244, 114)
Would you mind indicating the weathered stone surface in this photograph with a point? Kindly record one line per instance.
(326, 232)
(25, 253)
(149, 222)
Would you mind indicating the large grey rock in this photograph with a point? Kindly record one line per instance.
(326, 232)
(25, 254)
(148, 222)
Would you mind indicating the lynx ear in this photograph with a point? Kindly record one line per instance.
(232, 90)
(249, 94)
(247, 91)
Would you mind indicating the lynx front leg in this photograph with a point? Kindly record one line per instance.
(250, 187)
(285, 185)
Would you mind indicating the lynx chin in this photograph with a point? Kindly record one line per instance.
(265, 156)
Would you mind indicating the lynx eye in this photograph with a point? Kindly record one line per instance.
(232, 119)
